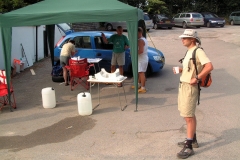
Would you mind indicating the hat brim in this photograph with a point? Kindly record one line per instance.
(185, 36)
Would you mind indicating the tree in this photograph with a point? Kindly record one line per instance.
(135, 3)
(9, 5)
(157, 7)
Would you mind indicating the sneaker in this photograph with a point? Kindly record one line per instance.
(142, 90)
(134, 87)
(194, 143)
(185, 152)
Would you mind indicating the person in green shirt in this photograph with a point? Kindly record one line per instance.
(120, 44)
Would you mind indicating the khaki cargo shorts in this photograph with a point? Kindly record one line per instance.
(118, 59)
(187, 99)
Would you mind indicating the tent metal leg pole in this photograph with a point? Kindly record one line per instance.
(136, 108)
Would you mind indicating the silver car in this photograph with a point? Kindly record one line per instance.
(188, 19)
(113, 25)
(234, 18)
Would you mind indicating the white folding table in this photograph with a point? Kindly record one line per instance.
(115, 84)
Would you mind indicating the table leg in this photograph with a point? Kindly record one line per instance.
(98, 98)
(125, 98)
(90, 87)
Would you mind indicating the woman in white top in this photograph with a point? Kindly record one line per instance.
(142, 60)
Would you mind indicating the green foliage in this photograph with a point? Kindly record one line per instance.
(135, 3)
(157, 7)
(10, 5)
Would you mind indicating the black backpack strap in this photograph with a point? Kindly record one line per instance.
(181, 60)
(195, 64)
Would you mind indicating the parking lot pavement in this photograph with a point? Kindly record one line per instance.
(32, 132)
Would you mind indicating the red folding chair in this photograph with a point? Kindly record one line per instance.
(79, 73)
(4, 100)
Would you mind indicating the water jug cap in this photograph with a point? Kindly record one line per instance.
(84, 95)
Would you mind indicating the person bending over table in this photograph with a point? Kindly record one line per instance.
(67, 51)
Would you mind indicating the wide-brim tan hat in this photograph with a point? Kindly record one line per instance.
(191, 33)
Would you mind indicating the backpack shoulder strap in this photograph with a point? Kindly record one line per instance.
(195, 64)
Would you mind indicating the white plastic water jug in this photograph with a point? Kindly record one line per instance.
(48, 97)
(84, 104)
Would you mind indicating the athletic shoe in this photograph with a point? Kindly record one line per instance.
(142, 90)
(183, 143)
(185, 152)
(134, 87)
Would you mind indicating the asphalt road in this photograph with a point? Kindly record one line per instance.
(34, 133)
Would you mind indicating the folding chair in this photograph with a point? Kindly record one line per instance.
(79, 73)
(4, 100)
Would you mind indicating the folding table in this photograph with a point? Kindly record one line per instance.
(110, 81)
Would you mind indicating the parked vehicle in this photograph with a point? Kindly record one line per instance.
(212, 20)
(89, 44)
(113, 25)
(188, 19)
(234, 18)
(162, 21)
(148, 21)
(65, 27)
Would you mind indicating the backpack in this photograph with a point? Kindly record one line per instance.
(206, 81)
(57, 71)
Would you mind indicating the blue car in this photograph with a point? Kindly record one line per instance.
(89, 44)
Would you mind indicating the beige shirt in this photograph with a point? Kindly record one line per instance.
(67, 49)
(201, 59)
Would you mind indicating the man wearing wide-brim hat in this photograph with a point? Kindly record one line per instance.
(188, 88)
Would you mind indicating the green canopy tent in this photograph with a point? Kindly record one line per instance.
(50, 12)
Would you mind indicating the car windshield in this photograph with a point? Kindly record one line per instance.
(210, 16)
(65, 26)
(161, 16)
(197, 15)
(146, 17)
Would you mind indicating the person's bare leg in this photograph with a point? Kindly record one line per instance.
(191, 126)
(139, 81)
(65, 75)
(121, 70)
(142, 78)
(113, 68)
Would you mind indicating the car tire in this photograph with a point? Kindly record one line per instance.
(58, 79)
(184, 25)
(169, 27)
(148, 29)
(232, 23)
(109, 27)
(208, 24)
(198, 26)
(222, 26)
